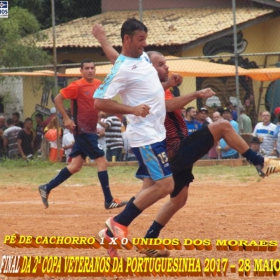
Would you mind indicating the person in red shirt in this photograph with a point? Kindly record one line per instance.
(83, 126)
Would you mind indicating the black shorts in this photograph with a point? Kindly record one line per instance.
(191, 149)
(182, 178)
(87, 145)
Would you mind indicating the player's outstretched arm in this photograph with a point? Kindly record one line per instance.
(179, 102)
(99, 33)
(113, 107)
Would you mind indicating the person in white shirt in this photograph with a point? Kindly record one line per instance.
(265, 131)
(136, 81)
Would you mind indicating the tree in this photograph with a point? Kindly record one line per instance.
(17, 47)
(65, 10)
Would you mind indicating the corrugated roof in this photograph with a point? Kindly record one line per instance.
(166, 27)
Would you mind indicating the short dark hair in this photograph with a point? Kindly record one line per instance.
(28, 120)
(130, 26)
(39, 116)
(88, 60)
(16, 114)
(189, 109)
(10, 121)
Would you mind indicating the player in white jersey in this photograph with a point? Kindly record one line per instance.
(136, 81)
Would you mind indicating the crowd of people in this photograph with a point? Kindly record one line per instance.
(264, 137)
(25, 140)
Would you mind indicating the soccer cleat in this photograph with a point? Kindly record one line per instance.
(270, 166)
(112, 252)
(44, 195)
(115, 203)
(119, 231)
(153, 253)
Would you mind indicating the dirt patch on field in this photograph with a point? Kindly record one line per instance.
(217, 208)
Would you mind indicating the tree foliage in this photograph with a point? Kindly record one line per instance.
(17, 48)
(65, 10)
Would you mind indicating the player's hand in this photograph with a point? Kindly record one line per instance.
(175, 80)
(68, 123)
(98, 32)
(141, 110)
(206, 93)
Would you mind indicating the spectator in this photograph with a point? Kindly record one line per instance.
(190, 120)
(244, 121)
(101, 132)
(16, 119)
(2, 149)
(39, 132)
(265, 131)
(227, 152)
(276, 136)
(52, 115)
(128, 154)
(232, 110)
(213, 154)
(10, 139)
(25, 139)
(255, 145)
(67, 143)
(184, 113)
(2, 123)
(113, 135)
(203, 118)
(52, 131)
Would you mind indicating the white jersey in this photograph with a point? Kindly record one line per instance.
(137, 82)
(266, 133)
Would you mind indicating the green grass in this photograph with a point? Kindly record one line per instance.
(37, 172)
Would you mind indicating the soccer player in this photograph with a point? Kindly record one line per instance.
(142, 94)
(83, 127)
(184, 151)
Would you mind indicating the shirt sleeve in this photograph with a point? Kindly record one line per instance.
(114, 83)
(70, 92)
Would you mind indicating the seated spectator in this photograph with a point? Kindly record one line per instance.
(25, 140)
(53, 134)
(10, 139)
(255, 145)
(113, 135)
(227, 151)
(191, 123)
(16, 119)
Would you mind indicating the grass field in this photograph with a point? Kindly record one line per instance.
(230, 203)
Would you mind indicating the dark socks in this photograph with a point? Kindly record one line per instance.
(129, 213)
(154, 230)
(63, 175)
(253, 157)
(104, 181)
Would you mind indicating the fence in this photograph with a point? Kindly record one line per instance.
(230, 46)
